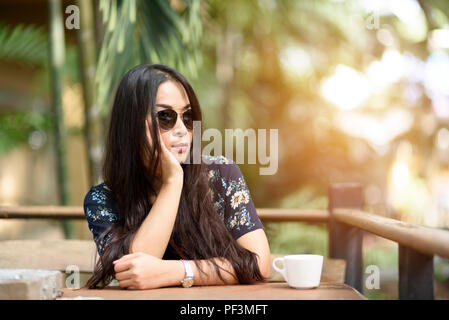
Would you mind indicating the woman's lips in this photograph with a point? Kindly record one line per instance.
(181, 147)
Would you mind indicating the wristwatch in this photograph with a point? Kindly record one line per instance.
(187, 282)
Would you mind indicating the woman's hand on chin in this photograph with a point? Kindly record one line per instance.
(171, 168)
(143, 271)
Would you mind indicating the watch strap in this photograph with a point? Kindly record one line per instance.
(187, 268)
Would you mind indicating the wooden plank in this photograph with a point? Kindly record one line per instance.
(263, 291)
(74, 212)
(42, 212)
(292, 215)
(415, 275)
(430, 241)
(345, 241)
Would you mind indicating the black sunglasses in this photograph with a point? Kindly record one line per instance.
(167, 118)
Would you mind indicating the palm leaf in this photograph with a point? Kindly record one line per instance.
(139, 32)
(23, 43)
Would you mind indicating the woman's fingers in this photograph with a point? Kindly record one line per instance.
(123, 275)
(166, 154)
(128, 283)
(122, 265)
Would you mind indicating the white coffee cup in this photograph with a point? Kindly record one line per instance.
(301, 271)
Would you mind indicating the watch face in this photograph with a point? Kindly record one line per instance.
(187, 282)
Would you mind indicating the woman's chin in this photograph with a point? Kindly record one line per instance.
(181, 157)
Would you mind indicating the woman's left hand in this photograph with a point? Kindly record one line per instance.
(143, 271)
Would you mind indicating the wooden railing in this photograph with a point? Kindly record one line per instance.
(76, 212)
(42, 212)
(346, 223)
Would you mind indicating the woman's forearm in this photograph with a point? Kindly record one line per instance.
(154, 233)
(209, 277)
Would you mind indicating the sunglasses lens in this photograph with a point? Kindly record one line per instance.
(167, 119)
(187, 118)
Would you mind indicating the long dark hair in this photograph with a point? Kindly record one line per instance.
(198, 229)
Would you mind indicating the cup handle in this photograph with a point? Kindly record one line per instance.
(281, 271)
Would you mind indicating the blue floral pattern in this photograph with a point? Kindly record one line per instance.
(233, 202)
(100, 213)
(230, 194)
(220, 206)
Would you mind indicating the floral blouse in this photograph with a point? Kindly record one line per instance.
(232, 202)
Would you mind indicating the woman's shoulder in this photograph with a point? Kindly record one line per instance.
(216, 160)
(223, 171)
(99, 203)
(100, 196)
(222, 165)
(99, 192)
(218, 166)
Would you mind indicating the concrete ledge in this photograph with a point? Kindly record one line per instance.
(48, 254)
(30, 284)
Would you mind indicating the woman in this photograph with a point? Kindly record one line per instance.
(158, 221)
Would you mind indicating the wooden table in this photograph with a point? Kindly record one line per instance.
(263, 291)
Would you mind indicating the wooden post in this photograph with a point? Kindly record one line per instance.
(56, 45)
(415, 275)
(345, 242)
(93, 127)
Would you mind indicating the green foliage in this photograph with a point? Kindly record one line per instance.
(15, 128)
(28, 45)
(305, 198)
(25, 44)
(441, 270)
(386, 257)
(378, 295)
(139, 32)
(71, 71)
(295, 237)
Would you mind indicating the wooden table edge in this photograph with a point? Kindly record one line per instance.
(92, 293)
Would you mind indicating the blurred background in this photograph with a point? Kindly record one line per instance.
(358, 90)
